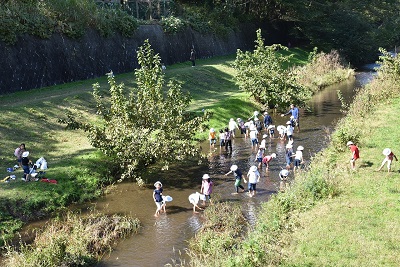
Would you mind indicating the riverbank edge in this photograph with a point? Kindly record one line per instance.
(284, 223)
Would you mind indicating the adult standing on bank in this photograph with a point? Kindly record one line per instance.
(296, 115)
(193, 57)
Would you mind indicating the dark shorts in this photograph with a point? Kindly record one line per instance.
(290, 136)
(26, 169)
(252, 187)
(297, 162)
(259, 159)
(254, 141)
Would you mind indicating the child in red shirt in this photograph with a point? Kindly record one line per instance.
(355, 154)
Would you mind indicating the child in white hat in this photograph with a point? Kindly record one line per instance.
(389, 156)
(206, 188)
(158, 199)
(238, 177)
(254, 177)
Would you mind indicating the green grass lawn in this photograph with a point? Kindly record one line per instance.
(360, 227)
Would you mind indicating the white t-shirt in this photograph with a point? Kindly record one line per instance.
(232, 125)
(253, 134)
(289, 130)
(253, 177)
(299, 155)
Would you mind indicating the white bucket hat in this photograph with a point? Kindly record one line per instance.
(285, 173)
(349, 143)
(289, 146)
(253, 168)
(25, 154)
(265, 135)
(300, 148)
(273, 155)
(234, 168)
(386, 151)
(206, 176)
(158, 182)
(212, 130)
(288, 122)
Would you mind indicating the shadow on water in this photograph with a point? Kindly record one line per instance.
(161, 237)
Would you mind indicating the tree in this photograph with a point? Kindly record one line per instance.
(261, 73)
(147, 126)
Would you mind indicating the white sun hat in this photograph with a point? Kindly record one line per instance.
(158, 182)
(280, 128)
(300, 148)
(386, 151)
(273, 155)
(285, 172)
(25, 154)
(206, 176)
(234, 168)
(253, 168)
(349, 143)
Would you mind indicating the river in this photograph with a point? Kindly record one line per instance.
(163, 239)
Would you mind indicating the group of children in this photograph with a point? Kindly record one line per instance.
(252, 129)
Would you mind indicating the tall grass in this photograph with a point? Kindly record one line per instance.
(72, 241)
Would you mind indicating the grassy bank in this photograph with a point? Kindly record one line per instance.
(331, 215)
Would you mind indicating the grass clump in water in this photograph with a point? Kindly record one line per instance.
(73, 241)
(221, 233)
(323, 69)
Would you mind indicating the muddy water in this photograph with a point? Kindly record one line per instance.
(163, 239)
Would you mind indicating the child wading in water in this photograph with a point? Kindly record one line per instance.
(212, 136)
(254, 177)
(388, 158)
(238, 177)
(157, 196)
(221, 138)
(260, 155)
(206, 188)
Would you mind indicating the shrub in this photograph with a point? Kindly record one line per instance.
(172, 24)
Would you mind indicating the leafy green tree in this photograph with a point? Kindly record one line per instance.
(147, 126)
(261, 73)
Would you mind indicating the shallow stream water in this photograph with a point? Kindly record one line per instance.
(163, 239)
